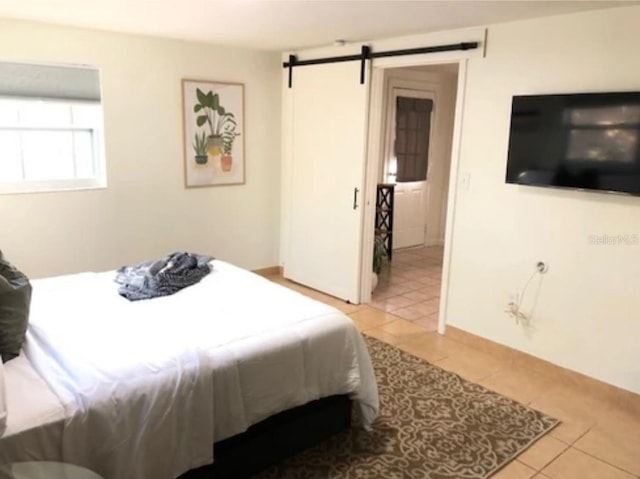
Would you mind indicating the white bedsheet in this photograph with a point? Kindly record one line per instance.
(34, 427)
(272, 349)
(136, 389)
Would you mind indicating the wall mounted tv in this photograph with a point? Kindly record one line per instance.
(585, 140)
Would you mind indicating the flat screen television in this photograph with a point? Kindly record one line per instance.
(586, 140)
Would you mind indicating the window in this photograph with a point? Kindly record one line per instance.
(412, 130)
(50, 129)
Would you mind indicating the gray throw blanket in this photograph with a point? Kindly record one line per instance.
(162, 277)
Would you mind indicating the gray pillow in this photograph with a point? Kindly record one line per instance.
(15, 299)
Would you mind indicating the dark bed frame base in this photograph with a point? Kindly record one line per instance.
(275, 439)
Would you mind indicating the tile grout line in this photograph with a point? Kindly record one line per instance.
(565, 445)
(572, 446)
(615, 466)
(564, 449)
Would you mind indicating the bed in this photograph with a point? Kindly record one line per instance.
(143, 390)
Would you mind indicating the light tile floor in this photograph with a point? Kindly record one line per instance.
(409, 286)
(599, 437)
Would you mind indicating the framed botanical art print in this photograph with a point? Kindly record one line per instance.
(213, 131)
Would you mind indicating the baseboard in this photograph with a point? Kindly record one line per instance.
(430, 243)
(270, 271)
(625, 399)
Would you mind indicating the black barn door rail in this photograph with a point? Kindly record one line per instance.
(367, 54)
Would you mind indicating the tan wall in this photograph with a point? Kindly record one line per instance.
(586, 315)
(146, 211)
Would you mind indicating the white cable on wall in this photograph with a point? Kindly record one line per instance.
(514, 307)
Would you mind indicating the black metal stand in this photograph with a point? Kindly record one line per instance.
(384, 216)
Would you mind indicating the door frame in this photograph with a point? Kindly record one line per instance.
(375, 149)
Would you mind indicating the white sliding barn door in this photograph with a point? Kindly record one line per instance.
(329, 126)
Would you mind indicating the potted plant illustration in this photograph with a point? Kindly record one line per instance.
(215, 116)
(200, 148)
(228, 137)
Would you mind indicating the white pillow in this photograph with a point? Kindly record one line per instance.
(3, 402)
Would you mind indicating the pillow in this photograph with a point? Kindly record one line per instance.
(3, 402)
(15, 299)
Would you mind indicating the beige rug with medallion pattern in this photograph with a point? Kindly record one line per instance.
(432, 425)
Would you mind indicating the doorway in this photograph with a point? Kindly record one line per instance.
(409, 284)
(407, 154)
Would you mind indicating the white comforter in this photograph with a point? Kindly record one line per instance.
(137, 379)
(135, 387)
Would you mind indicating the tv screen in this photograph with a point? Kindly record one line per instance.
(585, 140)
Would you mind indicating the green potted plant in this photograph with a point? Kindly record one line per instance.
(228, 137)
(215, 116)
(379, 255)
(200, 148)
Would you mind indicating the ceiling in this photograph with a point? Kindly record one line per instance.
(285, 25)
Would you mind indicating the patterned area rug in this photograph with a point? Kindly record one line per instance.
(432, 425)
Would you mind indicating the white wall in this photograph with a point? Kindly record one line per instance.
(146, 211)
(588, 308)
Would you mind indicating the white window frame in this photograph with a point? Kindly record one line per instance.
(97, 181)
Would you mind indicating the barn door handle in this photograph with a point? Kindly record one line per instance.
(355, 198)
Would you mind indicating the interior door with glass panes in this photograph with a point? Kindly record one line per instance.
(408, 141)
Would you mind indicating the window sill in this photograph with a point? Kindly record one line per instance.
(33, 187)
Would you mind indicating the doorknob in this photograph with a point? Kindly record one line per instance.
(355, 198)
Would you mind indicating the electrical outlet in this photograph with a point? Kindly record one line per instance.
(542, 267)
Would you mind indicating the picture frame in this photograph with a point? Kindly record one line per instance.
(213, 133)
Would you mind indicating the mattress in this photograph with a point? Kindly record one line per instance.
(270, 348)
